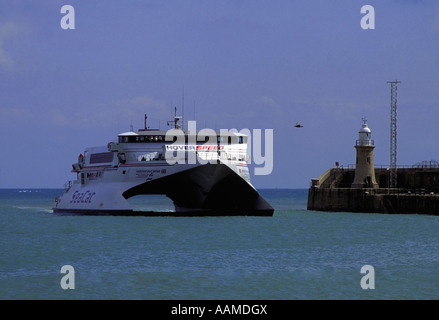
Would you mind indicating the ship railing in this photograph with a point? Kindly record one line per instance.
(68, 185)
(208, 156)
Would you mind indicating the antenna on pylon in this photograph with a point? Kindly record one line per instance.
(393, 132)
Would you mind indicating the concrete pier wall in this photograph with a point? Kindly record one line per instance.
(418, 192)
(371, 200)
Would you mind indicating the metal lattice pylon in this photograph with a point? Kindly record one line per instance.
(393, 167)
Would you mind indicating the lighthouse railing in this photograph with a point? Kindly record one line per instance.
(364, 142)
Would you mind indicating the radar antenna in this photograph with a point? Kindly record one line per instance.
(176, 120)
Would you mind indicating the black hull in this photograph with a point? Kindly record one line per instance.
(208, 190)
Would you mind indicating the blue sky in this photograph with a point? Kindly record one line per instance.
(243, 64)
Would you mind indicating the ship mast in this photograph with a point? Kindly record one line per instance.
(176, 120)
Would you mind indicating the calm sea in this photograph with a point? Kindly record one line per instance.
(296, 254)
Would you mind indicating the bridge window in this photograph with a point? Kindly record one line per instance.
(157, 138)
(101, 157)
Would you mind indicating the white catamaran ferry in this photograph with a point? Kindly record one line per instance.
(202, 174)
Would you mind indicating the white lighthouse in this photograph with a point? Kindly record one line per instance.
(364, 167)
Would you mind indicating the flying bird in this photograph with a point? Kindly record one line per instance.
(298, 125)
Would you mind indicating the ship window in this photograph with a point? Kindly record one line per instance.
(122, 158)
(149, 156)
(206, 139)
(240, 139)
(101, 157)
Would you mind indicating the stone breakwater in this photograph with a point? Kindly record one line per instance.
(417, 192)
